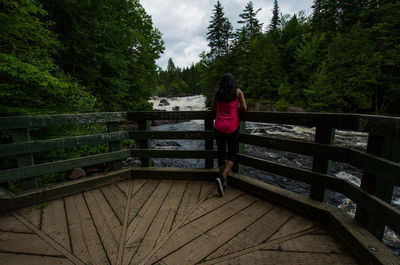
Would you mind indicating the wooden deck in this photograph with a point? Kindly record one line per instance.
(148, 221)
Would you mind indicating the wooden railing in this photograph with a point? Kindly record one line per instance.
(380, 163)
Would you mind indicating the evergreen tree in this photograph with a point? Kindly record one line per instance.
(251, 25)
(219, 32)
(275, 20)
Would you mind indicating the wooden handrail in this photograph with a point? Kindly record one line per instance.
(382, 164)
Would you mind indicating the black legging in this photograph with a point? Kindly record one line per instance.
(223, 139)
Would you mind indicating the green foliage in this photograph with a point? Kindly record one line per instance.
(344, 58)
(347, 78)
(31, 83)
(110, 47)
(178, 82)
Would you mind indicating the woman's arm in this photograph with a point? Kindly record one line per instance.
(242, 100)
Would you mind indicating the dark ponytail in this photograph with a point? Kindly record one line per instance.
(227, 89)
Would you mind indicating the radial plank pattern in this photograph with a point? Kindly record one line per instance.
(148, 221)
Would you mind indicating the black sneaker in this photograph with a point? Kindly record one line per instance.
(226, 185)
(220, 185)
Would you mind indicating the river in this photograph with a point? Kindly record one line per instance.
(356, 140)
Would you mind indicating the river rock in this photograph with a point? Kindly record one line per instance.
(176, 108)
(77, 173)
(163, 102)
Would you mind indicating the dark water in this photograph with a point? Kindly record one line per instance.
(341, 170)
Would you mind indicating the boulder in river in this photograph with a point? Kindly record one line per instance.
(163, 102)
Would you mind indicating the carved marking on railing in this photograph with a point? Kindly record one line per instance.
(362, 124)
(171, 115)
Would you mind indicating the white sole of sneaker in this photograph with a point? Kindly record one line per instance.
(220, 188)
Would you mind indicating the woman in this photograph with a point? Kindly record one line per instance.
(226, 128)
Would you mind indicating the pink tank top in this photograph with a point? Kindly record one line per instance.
(227, 119)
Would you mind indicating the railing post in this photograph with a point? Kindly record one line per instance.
(22, 135)
(144, 125)
(323, 135)
(114, 146)
(238, 168)
(209, 143)
(389, 148)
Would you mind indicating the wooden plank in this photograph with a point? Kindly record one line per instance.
(12, 259)
(385, 169)
(285, 198)
(141, 197)
(256, 233)
(26, 244)
(60, 143)
(107, 224)
(160, 222)
(33, 214)
(164, 240)
(7, 123)
(59, 166)
(323, 135)
(169, 135)
(122, 238)
(386, 213)
(188, 202)
(137, 230)
(170, 115)
(63, 189)
(86, 243)
(177, 192)
(294, 225)
(144, 125)
(115, 197)
(54, 223)
(25, 160)
(206, 186)
(159, 153)
(199, 248)
(279, 257)
(209, 143)
(51, 242)
(196, 228)
(212, 203)
(114, 146)
(256, 248)
(363, 244)
(315, 242)
(8, 223)
(175, 173)
(307, 176)
(124, 186)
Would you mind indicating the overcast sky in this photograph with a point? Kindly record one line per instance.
(183, 23)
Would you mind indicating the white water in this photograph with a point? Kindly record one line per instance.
(197, 102)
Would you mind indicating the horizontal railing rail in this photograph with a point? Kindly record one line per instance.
(380, 163)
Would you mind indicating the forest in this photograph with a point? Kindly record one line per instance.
(344, 57)
(89, 56)
(65, 56)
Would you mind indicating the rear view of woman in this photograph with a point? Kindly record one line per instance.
(228, 100)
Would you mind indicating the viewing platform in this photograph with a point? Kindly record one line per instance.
(153, 221)
(153, 215)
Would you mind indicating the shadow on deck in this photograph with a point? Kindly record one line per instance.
(153, 221)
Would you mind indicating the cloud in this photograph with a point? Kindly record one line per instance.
(184, 23)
